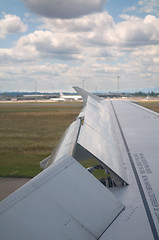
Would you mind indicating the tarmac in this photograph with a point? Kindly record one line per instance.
(9, 185)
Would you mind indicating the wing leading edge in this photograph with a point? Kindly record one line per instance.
(66, 202)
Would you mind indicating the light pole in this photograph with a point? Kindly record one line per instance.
(35, 86)
(83, 84)
(118, 83)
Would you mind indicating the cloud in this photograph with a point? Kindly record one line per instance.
(83, 24)
(134, 31)
(145, 6)
(130, 9)
(42, 45)
(149, 6)
(11, 24)
(101, 30)
(64, 8)
(130, 32)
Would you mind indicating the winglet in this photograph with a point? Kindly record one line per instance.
(85, 94)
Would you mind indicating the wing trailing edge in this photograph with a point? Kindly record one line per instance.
(63, 202)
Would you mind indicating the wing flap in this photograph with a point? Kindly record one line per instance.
(61, 196)
(66, 145)
(97, 135)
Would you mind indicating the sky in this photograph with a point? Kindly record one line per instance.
(53, 45)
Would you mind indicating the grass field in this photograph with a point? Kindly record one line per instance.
(154, 106)
(29, 132)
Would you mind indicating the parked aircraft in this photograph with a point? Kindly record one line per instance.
(64, 97)
(66, 201)
(70, 97)
(56, 99)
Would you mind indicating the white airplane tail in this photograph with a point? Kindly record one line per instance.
(61, 95)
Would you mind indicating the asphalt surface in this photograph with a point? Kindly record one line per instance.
(9, 185)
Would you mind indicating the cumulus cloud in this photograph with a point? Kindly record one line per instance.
(101, 30)
(64, 8)
(11, 24)
(131, 32)
(134, 31)
(87, 23)
(40, 45)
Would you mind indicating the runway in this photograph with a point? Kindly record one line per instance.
(9, 185)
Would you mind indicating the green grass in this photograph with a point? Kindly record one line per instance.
(98, 173)
(154, 106)
(29, 133)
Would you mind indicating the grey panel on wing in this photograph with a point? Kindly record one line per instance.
(68, 142)
(63, 202)
(97, 136)
(66, 146)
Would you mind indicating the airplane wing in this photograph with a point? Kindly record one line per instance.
(66, 202)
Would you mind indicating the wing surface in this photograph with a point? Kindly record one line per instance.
(66, 146)
(63, 202)
(139, 130)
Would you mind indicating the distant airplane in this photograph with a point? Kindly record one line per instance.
(70, 97)
(66, 202)
(56, 99)
(64, 97)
